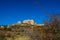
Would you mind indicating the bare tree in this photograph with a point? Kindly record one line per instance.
(53, 27)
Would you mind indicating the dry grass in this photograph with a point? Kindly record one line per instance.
(22, 38)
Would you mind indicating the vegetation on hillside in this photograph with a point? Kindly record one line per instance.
(49, 31)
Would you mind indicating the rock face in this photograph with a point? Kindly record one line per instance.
(29, 22)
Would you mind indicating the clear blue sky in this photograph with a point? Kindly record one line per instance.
(12, 11)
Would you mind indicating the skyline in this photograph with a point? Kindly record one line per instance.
(27, 21)
(12, 11)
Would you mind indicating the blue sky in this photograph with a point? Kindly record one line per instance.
(12, 11)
